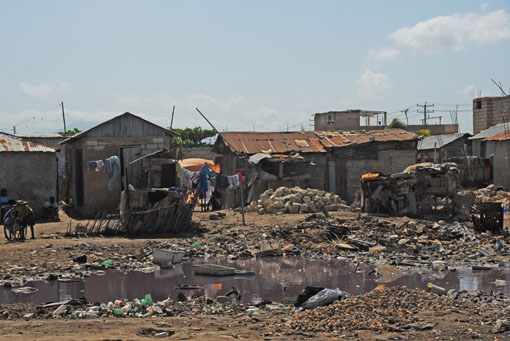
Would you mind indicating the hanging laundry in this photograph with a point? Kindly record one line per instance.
(91, 165)
(221, 183)
(203, 181)
(99, 165)
(112, 169)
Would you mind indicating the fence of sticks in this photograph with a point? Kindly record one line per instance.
(164, 220)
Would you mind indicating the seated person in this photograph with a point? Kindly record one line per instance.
(51, 209)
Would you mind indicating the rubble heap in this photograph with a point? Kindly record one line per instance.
(490, 194)
(296, 200)
(401, 309)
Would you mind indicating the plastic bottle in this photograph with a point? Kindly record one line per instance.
(107, 262)
(435, 288)
(148, 300)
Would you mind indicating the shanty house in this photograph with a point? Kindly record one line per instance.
(352, 154)
(500, 145)
(52, 140)
(482, 147)
(126, 136)
(441, 147)
(332, 161)
(271, 159)
(28, 171)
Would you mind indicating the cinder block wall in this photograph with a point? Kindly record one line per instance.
(29, 176)
(489, 111)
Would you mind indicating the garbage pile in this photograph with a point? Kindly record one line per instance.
(137, 308)
(296, 200)
(490, 194)
(400, 309)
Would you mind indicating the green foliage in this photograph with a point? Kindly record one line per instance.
(423, 132)
(397, 124)
(70, 132)
(192, 137)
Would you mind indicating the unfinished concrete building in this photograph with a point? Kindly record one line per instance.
(490, 111)
(357, 119)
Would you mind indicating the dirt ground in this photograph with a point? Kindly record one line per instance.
(50, 250)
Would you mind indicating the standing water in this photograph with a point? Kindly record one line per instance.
(276, 279)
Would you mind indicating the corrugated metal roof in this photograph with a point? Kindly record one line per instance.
(503, 136)
(307, 141)
(498, 128)
(11, 143)
(273, 142)
(438, 141)
(332, 139)
(123, 125)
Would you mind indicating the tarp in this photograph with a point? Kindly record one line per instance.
(196, 165)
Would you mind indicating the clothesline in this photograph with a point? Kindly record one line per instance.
(208, 180)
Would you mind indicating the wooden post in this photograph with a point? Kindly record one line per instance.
(149, 175)
(242, 201)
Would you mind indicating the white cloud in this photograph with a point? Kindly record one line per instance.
(454, 32)
(484, 5)
(128, 102)
(43, 90)
(383, 54)
(372, 84)
(467, 94)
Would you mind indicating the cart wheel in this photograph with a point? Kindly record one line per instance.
(9, 233)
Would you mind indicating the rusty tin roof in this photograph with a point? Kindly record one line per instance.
(502, 136)
(307, 141)
(11, 143)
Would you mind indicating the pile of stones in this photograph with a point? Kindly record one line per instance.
(296, 200)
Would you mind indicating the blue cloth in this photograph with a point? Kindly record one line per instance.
(5, 200)
(203, 181)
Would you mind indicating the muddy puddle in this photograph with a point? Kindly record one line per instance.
(275, 279)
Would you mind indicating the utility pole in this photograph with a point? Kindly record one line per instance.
(424, 106)
(64, 118)
(172, 121)
(405, 113)
(14, 130)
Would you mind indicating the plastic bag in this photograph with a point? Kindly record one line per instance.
(324, 297)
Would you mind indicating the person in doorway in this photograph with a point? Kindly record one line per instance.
(51, 209)
(26, 215)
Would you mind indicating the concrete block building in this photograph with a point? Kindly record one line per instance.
(490, 111)
(28, 171)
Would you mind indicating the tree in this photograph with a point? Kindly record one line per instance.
(397, 124)
(423, 132)
(192, 137)
(70, 132)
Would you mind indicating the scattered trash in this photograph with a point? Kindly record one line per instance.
(271, 248)
(435, 288)
(323, 297)
(24, 290)
(219, 270)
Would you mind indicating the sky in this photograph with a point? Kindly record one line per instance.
(247, 65)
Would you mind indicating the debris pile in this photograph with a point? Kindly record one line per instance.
(296, 200)
(400, 309)
(490, 194)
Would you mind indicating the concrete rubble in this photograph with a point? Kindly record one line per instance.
(296, 200)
